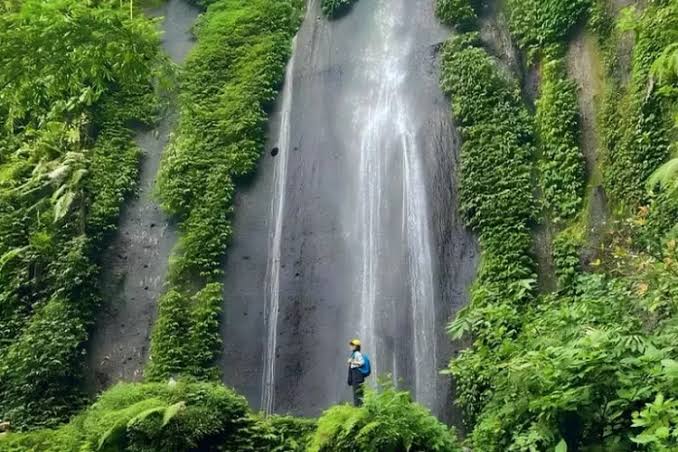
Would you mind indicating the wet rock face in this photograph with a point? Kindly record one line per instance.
(367, 242)
(135, 263)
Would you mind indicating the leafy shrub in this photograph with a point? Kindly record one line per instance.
(566, 248)
(581, 366)
(73, 75)
(462, 14)
(557, 125)
(230, 78)
(538, 24)
(335, 8)
(388, 421)
(160, 416)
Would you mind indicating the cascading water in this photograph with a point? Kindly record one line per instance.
(350, 228)
(388, 134)
(272, 308)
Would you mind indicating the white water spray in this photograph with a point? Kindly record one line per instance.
(387, 127)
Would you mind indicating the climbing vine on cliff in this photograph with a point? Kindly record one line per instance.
(497, 133)
(537, 24)
(638, 124)
(557, 124)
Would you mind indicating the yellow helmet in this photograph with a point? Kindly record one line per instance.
(355, 342)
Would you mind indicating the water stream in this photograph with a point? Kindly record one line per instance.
(273, 269)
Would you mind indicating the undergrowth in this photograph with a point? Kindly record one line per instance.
(388, 421)
(230, 78)
(178, 416)
(73, 76)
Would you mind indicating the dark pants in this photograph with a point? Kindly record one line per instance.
(358, 392)
(355, 380)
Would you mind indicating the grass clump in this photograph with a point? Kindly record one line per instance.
(388, 421)
(73, 76)
(229, 80)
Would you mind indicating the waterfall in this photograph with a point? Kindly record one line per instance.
(344, 233)
(272, 307)
(420, 276)
(388, 134)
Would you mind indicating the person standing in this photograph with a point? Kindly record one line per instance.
(358, 370)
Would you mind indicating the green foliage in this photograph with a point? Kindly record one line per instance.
(285, 434)
(498, 204)
(638, 124)
(592, 366)
(73, 75)
(566, 248)
(336, 8)
(462, 14)
(160, 416)
(184, 415)
(665, 177)
(557, 125)
(665, 68)
(659, 421)
(230, 78)
(388, 421)
(186, 335)
(583, 364)
(538, 24)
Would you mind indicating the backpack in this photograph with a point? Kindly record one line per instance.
(366, 368)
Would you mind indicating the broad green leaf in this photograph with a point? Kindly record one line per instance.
(561, 447)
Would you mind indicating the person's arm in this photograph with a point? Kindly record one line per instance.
(357, 360)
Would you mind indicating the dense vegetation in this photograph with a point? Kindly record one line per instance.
(389, 421)
(557, 125)
(637, 132)
(73, 75)
(230, 78)
(336, 8)
(175, 416)
(205, 416)
(591, 366)
(462, 14)
(499, 205)
(538, 24)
